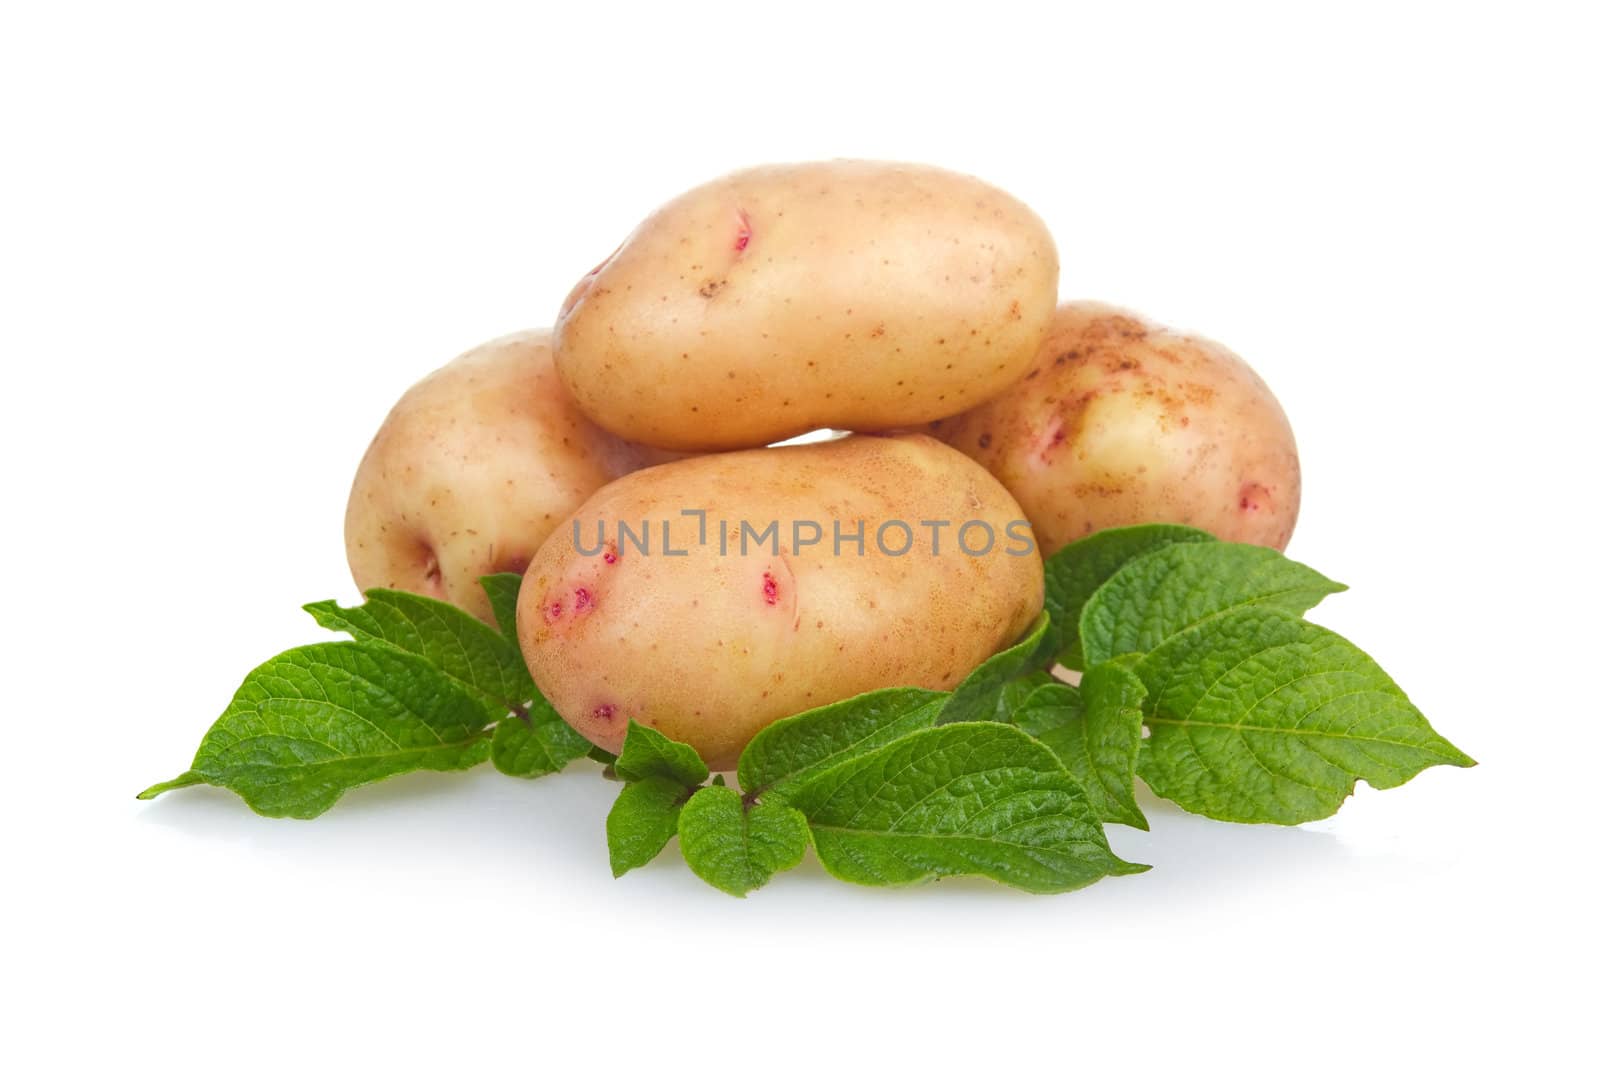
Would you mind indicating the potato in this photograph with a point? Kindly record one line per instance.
(1120, 421)
(783, 299)
(472, 469)
(710, 646)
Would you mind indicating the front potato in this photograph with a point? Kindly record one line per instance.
(1121, 422)
(709, 597)
(782, 299)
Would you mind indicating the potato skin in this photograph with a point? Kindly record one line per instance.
(471, 470)
(709, 648)
(1120, 421)
(849, 294)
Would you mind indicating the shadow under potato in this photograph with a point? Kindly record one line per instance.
(489, 821)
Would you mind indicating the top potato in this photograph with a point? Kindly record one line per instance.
(781, 299)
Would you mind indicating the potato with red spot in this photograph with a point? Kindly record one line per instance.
(853, 295)
(1120, 421)
(471, 471)
(709, 597)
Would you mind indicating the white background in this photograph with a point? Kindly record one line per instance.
(230, 239)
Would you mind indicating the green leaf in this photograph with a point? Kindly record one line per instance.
(1165, 591)
(785, 753)
(1258, 716)
(735, 847)
(503, 590)
(1095, 731)
(462, 647)
(978, 697)
(314, 721)
(1016, 694)
(970, 798)
(536, 741)
(642, 821)
(647, 753)
(187, 778)
(1073, 574)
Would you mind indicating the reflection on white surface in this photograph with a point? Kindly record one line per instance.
(548, 835)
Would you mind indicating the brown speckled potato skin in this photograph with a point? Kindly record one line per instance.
(709, 648)
(1120, 421)
(470, 472)
(782, 299)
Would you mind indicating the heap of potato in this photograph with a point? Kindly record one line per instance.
(911, 306)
